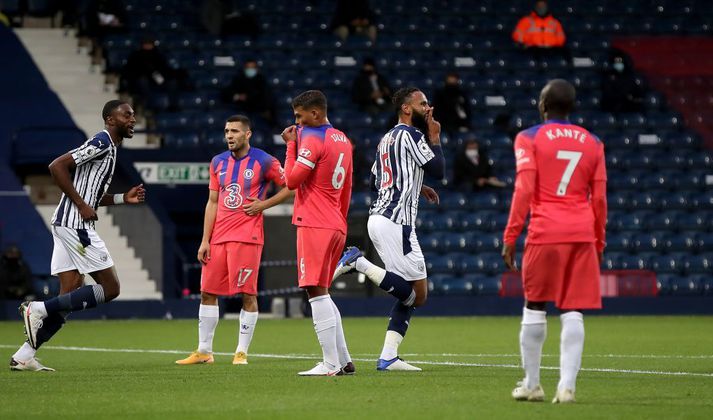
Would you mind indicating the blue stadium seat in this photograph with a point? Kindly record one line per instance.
(682, 242)
(484, 285)
(663, 221)
(700, 264)
(654, 241)
(456, 286)
(619, 242)
(669, 263)
(686, 286)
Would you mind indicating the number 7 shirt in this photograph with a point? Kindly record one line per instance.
(559, 164)
(319, 166)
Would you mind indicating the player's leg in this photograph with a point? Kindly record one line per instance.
(345, 359)
(245, 259)
(538, 278)
(246, 328)
(214, 282)
(312, 257)
(584, 293)
(24, 357)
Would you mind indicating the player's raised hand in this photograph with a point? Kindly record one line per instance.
(135, 195)
(430, 194)
(289, 134)
(434, 127)
(87, 213)
(509, 256)
(254, 207)
(204, 252)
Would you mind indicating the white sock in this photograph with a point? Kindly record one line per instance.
(342, 350)
(391, 345)
(372, 271)
(532, 336)
(246, 330)
(39, 308)
(24, 353)
(207, 321)
(325, 325)
(571, 346)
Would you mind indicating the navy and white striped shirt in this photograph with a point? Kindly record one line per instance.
(398, 169)
(95, 161)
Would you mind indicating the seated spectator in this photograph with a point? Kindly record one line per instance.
(621, 90)
(250, 93)
(451, 107)
(472, 169)
(15, 275)
(225, 18)
(102, 18)
(539, 32)
(370, 89)
(147, 70)
(353, 17)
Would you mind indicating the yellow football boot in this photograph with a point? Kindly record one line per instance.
(240, 358)
(196, 358)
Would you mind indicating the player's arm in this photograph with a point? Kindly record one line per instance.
(345, 198)
(135, 195)
(61, 169)
(521, 198)
(599, 204)
(211, 210)
(436, 165)
(297, 168)
(257, 206)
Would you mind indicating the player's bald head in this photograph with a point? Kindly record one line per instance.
(557, 98)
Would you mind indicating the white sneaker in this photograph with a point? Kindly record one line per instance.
(563, 396)
(522, 393)
(32, 365)
(320, 370)
(395, 364)
(33, 322)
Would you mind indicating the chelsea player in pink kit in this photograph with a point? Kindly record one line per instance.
(233, 235)
(319, 167)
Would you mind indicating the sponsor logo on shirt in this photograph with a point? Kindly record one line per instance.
(305, 153)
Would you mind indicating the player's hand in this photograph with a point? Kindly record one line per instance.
(204, 252)
(430, 195)
(87, 213)
(509, 256)
(135, 195)
(254, 207)
(289, 134)
(434, 127)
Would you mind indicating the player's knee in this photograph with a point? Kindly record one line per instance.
(250, 303)
(208, 299)
(111, 291)
(536, 306)
(420, 299)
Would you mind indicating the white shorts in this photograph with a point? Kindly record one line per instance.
(78, 249)
(398, 247)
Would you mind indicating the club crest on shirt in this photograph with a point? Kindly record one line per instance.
(519, 153)
(248, 174)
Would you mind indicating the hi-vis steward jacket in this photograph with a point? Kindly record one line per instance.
(536, 31)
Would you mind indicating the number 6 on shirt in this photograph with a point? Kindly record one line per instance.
(339, 174)
(573, 158)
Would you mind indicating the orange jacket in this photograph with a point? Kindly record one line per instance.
(535, 31)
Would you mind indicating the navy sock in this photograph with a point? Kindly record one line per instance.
(50, 326)
(399, 288)
(83, 298)
(400, 317)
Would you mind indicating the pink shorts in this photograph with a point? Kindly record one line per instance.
(567, 274)
(232, 268)
(318, 252)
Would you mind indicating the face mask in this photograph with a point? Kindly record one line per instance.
(541, 11)
(250, 73)
(472, 154)
(618, 67)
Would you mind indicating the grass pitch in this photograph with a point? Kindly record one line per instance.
(633, 367)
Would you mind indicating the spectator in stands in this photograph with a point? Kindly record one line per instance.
(621, 90)
(15, 275)
(540, 33)
(503, 126)
(250, 93)
(225, 18)
(370, 89)
(451, 107)
(353, 17)
(473, 170)
(147, 71)
(102, 18)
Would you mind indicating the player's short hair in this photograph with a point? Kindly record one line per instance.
(402, 96)
(110, 106)
(310, 99)
(561, 96)
(241, 119)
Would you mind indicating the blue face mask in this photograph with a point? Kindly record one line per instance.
(250, 73)
(618, 67)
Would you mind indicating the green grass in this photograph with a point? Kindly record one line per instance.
(93, 384)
